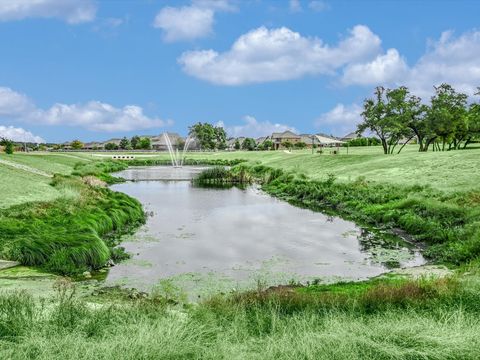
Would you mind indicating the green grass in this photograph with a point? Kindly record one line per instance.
(424, 319)
(68, 235)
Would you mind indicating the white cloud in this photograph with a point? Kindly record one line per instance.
(263, 55)
(383, 69)
(19, 134)
(254, 128)
(72, 11)
(318, 6)
(184, 23)
(454, 60)
(13, 103)
(342, 118)
(94, 115)
(190, 22)
(295, 6)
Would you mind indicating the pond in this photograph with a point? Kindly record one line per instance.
(199, 241)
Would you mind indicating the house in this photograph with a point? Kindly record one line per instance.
(329, 141)
(260, 140)
(350, 136)
(93, 146)
(159, 142)
(287, 136)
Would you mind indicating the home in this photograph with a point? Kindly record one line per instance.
(280, 139)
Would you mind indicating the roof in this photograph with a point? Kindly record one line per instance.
(326, 140)
(352, 135)
(261, 139)
(285, 134)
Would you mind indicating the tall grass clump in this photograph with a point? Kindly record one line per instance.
(69, 235)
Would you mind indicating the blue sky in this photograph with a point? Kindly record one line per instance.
(99, 69)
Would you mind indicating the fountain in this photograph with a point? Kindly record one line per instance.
(176, 157)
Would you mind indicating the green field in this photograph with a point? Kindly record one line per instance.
(453, 171)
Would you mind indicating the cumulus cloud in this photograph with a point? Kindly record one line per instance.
(71, 11)
(342, 117)
(383, 69)
(19, 134)
(263, 55)
(254, 128)
(93, 115)
(190, 22)
(450, 59)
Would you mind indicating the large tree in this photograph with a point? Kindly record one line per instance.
(446, 116)
(387, 115)
(208, 136)
(135, 142)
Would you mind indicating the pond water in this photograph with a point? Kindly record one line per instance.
(202, 240)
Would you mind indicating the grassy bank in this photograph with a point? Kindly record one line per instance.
(391, 320)
(75, 232)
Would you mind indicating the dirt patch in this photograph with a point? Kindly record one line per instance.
(93, 181)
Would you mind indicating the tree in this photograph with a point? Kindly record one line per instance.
(446, 116)
(473, 122)
(111, 146)
(248, 144)
(145, 143)
(8, 144)
(237, 145)
(387, 115)
(76, 145)
(209, 137)
(135, 142)
(268, 144)
(287, 144)
(300, 145)
(124, 143)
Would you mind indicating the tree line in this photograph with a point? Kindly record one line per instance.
(447, 122)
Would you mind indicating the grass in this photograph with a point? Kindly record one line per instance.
(423, 319)
(74, 233)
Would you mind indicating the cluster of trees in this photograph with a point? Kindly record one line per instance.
(135, 143)
(8, 145)
(209, 137)
(396, 116)
(363, 141)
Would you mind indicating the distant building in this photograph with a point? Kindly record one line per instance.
(280, 138)
(350, 136)
(93, 146)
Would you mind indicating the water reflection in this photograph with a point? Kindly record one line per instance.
(208, 239)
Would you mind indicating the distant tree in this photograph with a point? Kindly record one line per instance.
(209, 137)
(8, 145)
(145, 143)
(287, 144)
(124, 143)
(111, 146)
(248, 144)
(135, 142)
(268, 145)
(473, 122)
(76, 145)
(237, 145)
(300, 145)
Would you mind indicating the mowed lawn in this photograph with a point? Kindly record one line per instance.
(448, 171)
(18, 185)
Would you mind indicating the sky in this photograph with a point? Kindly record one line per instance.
(98, 69)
